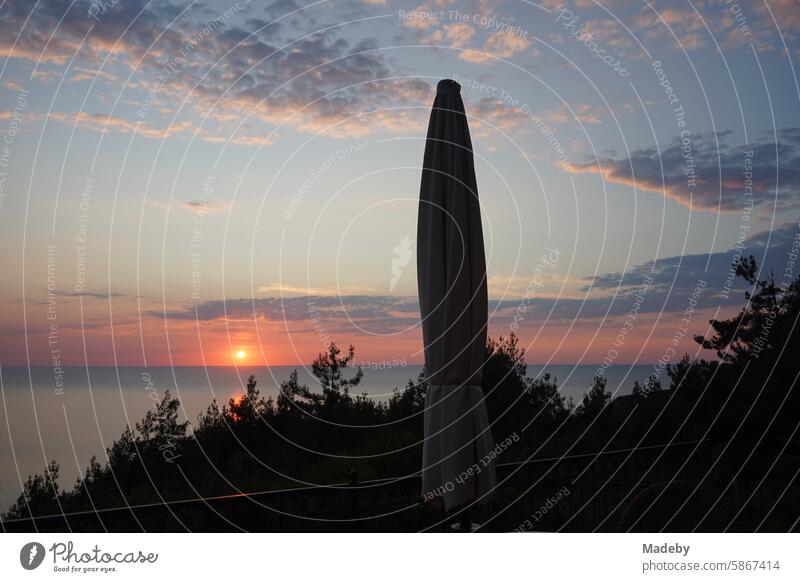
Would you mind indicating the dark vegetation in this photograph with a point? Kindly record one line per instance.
(744, 404)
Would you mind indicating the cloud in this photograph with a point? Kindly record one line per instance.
(501, 114)
(86, 74)
(670, 282)
(376, 313)
(719, 183)
(607, 31)
(680, 273)
(582, 112)
(786, 13)
(323, 82)
(421, 18)
(203, 207)
(501, 44)
(102, 123)
(498, 113)
(280, 8)
(457, 34)
(677, 26)
(688, 28)
(91, 294)
(733, 25)
(319, 84)
(54, 30)
(285, 289)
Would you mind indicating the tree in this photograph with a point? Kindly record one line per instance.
(513, 400)
(504, 386)
(39, 495)
(211, 419)
(122, 451)
(690, 375)
(595, 400)
(328, 369)
(250, 406)
(410, 401)
(757, 373)
(764, 326)
(294, 396)
(547, 401)
(652, 384)
(94, 472)
(160, 426)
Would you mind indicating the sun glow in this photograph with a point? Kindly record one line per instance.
(240, 355)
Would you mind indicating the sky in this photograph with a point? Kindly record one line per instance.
(182, 181)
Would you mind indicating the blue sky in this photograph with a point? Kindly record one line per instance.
(209, 177)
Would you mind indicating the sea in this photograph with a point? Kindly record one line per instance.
(78, 415)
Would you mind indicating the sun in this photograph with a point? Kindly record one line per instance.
(240, 355)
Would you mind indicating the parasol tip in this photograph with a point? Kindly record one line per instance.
(448, 86)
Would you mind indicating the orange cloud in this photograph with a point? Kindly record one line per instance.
(457, 34)
(500, 44)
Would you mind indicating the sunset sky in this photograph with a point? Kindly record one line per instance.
(183, 181)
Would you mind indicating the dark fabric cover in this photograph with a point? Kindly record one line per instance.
(451, 274)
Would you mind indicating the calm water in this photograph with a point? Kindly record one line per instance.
(38, 424)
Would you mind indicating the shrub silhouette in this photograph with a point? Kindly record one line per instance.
(326, 434)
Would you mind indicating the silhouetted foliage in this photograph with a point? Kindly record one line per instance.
(652, 384)
(325, 434)
(594, 401)
(40, 494)
(514, 401)
(328, 369)
(766, 324)
(160, 427)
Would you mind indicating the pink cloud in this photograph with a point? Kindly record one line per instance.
(500, 44)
